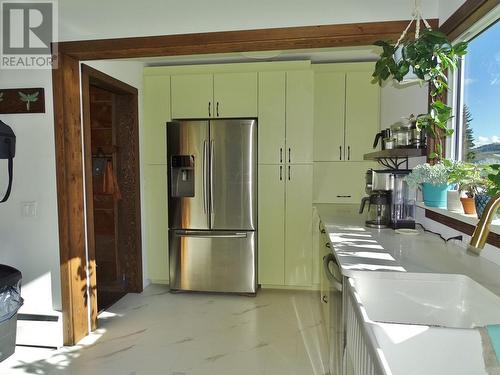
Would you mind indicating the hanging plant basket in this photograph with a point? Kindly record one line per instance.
(426, 59)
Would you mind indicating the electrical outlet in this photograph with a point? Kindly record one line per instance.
(29, 209)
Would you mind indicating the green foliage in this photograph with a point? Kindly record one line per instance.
(468, 141)
(430, 57)
(436, 174)
(493, 179)
(469, 177)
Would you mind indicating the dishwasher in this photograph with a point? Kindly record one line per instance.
(332, 305)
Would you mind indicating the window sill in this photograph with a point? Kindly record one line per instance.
(461, 222)
(467, 219)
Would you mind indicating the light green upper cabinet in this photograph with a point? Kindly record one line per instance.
(346, 112)
(192, 96)
(271, 225)
(235, 94)
(299, 116)
(362, 114)
(329, 116)
(271, 117)
(221, 95)
(156, 115)
(298, 225)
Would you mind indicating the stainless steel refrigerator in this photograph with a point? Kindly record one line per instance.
(212, 205)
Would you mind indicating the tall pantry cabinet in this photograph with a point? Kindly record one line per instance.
(156, 115)
(285, 177)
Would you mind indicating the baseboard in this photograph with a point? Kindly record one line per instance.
(314, 287)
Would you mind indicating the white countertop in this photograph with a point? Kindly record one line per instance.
(410, 349)
(358, 248)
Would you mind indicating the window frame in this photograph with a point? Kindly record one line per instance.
(454, 146)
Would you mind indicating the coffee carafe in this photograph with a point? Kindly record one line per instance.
(379, 209)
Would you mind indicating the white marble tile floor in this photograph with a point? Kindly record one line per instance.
(156, 332)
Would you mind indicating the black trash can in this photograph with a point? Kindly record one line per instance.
(10, 303)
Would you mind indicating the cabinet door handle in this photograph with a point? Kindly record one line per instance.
(289, 173)
(281, 173)
(343, 196)
(289, 154)
(328, 245)
(217, 109)
(340, 152)
(281, 154)
(324, 299)
(348, 152)
(209, 109)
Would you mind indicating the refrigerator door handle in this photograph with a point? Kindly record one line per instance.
(198, 234)
(212, 176)
(205, 177)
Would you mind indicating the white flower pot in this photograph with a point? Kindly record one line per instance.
(453, 203)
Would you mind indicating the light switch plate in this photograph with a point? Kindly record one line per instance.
(29, 209)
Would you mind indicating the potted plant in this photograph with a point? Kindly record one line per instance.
(470, 180)
(492, 187)
(428, 57)
(433, 180)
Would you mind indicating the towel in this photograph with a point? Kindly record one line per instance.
(110, 185)
(494, 333)
(490, 338)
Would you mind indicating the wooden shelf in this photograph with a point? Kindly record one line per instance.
(396, 153)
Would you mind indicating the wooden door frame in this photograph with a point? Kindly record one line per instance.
(67, 126)
(93, 77)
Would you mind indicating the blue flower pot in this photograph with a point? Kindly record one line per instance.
(481, 200)
(435, 195)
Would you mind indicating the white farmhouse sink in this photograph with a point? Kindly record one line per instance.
(444, 300)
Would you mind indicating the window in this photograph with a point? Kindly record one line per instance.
(478, 99)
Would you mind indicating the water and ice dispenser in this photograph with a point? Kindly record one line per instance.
(182, 178)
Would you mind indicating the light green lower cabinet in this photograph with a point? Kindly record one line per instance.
(271, 225)
(155, 197)
(298, 225)
(285, 225)
(340, 182)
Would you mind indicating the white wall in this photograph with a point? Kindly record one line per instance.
(93, 19)
(31, 244)
(130, 72)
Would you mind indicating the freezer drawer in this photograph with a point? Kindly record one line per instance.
(212, 261)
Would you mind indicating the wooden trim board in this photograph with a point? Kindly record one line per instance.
(469, 13)
(321, 36)
(493, 238)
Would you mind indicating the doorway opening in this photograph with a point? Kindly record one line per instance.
(112, 178)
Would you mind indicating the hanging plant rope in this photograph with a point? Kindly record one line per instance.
(429, 57)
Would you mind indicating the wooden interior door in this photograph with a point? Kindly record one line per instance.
(111, 281)
(111, 149)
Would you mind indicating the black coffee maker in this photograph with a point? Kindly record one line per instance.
(7, 151)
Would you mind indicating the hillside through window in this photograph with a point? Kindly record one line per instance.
(480, 102)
